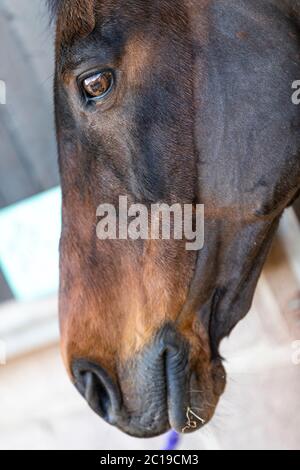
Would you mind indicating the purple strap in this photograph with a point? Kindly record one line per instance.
(173, 440)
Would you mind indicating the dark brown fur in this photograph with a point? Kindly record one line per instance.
(181, 126)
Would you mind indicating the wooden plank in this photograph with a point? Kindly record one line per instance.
(28, 327)
(16, 181)
(30, 21)
(297, 208)
(285, 287)
(31, 118)
(289, 232)
(2, 199)
(5, 292)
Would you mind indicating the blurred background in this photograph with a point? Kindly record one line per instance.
(39, 409)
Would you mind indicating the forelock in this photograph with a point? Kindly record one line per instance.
(74, 18)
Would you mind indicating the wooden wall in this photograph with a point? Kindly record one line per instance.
(27, 141)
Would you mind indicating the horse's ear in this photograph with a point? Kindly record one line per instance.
(75, 18)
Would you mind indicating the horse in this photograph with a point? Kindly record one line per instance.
(173, 101)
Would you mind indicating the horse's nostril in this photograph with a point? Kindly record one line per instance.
(94, 384)
(96, 394)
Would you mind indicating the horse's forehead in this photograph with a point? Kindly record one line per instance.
(75, 18)
(78, 18)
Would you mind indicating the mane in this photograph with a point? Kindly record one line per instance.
(54, 7)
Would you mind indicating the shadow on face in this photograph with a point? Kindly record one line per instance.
(141, 321)
(125, 127)
(138, 363)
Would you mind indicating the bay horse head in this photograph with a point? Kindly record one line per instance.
(173, 101)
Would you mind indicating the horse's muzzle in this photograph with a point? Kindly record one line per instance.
(95, 385)
(153, 390)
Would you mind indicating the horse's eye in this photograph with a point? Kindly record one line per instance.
(98, 85)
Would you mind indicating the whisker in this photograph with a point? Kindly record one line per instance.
(191, 424)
